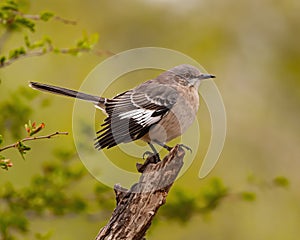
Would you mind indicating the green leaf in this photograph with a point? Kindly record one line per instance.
(1, 139)
(27, 41)
(46, 16)
(2, 60)
(23, 149)
(174, 209)
(94, 38)
(10, 6)
(281, 181)
(87, 42)
(26, 23)
(17, 52)
(248, 196)
(56, 50)
(213, 193)
(45, 236)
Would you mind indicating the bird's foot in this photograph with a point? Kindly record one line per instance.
(186, 147)
(150, 158)
(147, 154)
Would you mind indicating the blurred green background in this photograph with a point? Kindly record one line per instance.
(253, 49)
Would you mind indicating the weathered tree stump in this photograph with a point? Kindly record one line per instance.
(137, 206)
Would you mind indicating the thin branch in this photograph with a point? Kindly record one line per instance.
(65, 21)
(28, 54)
(37, 17)
(103, 52)
(50, 49)
(40, 52)
(13, 145)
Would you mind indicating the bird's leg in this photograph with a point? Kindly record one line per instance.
(153, 157)
(164, 145)
(155, 154)
(170, 148)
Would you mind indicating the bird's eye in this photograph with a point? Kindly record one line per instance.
(187, 75)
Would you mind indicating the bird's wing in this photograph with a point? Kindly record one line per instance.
(132, 113)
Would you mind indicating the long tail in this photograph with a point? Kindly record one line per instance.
(98, 101)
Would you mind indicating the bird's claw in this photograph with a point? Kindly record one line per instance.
(147, 154)
(151, 157)
(186, 147)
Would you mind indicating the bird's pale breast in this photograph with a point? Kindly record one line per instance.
(178, 119)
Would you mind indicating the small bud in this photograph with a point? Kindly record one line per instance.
(27, 128)
(9, 163)
(6, 163)
(36, 130)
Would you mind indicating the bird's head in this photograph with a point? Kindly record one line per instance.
(188, 75)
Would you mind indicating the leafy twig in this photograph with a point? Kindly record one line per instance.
(12, 18)
(51, 49)
(39, 52)
(45, 46)
(31, 129)
(15, 145)
(45, 17)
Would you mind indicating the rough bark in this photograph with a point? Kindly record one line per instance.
(137, 206)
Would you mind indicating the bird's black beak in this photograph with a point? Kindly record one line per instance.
(205, 76)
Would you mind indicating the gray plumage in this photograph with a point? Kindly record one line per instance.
(156, 111)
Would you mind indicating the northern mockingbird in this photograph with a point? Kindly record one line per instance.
(156, 111)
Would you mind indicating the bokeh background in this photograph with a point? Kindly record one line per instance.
(253, 49)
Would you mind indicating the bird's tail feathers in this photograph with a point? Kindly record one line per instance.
(99, 101)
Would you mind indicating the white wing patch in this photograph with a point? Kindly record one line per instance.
(100, 108)
(141, 116)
